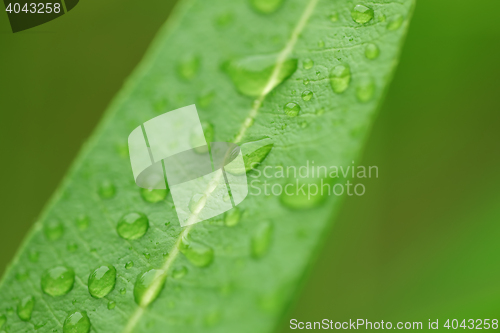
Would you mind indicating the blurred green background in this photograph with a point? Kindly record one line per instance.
(423, 243)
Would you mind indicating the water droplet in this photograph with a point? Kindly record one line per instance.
(251, 75)
(153, 195)
(308, 63)
(129, 265)
(255, 152)
(123, 291)
(303, 193)
(395, 22)
(340, 77)
(102, 281)
(362, 14)
(266, 6)
(305, 82)
(371, 51)
(33, 256)
(365, 90)
(334, 17)
(82, 222)
(307, 95)
(25, 308)
(261, 240)
(226, 198)
(72, 247)
(107, 189)
(132, 226)
(22, 275)
(291, 109)
(111, 305)
(148, 286)
(232, 217)
(195, 200)
(147, 255)
(319, 112)
(188, 67)
(198, 254)
(199, 141)
(53, 230)
(381, 18)
(58, 281)
(205, 100)
(321, 44)
(179, 272)
(77, 322)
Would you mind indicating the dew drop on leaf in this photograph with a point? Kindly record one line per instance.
(133, 226)
(194, 201)
(255, 152)
(295, 198)
(340, 78)
(147, 255)
(102, 281)
(123, 291)
(362, 14)
(371, 51)
(77, 322)
(291, 109)
(148, 286)
(307, 95)
(261, 240)
(25, 308)
(321, 44)
(232, 217)
(198, 254)
(153, 195)
(33, 256)
(129, 265)
(308, 63)
(58, 281)
(179, 272)
(334, 17)
(82, 222)
(111, 305)
(188, 67)
(107, 189)
(266, 6)
(305, 82)
(395, 22)
(365, 90)
(53, 230)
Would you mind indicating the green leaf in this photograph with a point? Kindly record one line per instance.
(286, 72)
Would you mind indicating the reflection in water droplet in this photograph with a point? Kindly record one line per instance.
(232, 217)
(195, 200)
(200, 140)
(53, 230)
(307, 95)
(148, 286)
(188, 67)
(129, 265)
(102, 281)
(362, 14)
(153, 195)
(371, 51)
(198, 254)
(308, 63)
(133, 226)
(111, 305)
(25, 308)
(291, 109)
(395, 22)
(334, 17)
(340, 77)
(82, 222)
(365, 90)
(266, 6)
(33, 256)
(58, 281)
(251, 75)
(72, 247)
(179, 272)
(107, 189)
(261, 240)
(77, 322)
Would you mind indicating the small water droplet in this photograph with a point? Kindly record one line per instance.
(107, 189)
(261, 240)
(319, 112)
(148, 286)
(129, 265)
(255, 152)
(226, 198)
(362, 14)
(147, 255)
(198, 254)
(291, 109)
(58, 281)
(33, 256)
(305, 82)
(200, 140)
(165, 255)
(77, 322)
(111, 305)
(365, 90)
(22, 275)
(53, 230)
(123, 291)
(195, 200)
(307, 95)
(321, 44)
(371, 51)
(188, 67)
(232, 217)
(102, 281)
(308, 64)
(340, 78)
(251, 75)
(82, 222)
(153, 195)
(133, 226)
(302, 194)
(395, 22)
(179, 272)
(334, 17)
(266, 6)
(25, 308)
(72, 247)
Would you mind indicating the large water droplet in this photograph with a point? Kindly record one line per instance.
(261, 240)
(200, 140)
(308, 64)
(255, 152)
(154, 195)
(179, 272)
(232, 217)
(77, 322)
(133, 226)
(340, 77)
(362, 14)
(82, 222)
(58, 281)
(53, 230)
(102, 281)
(395, 22)
(198, 254)
(251, 75)
(371, 51)
(107, 189)
(25, 308)
(148, 286)
(188, 67)
(291, 109)
(266, 6)
(307, 95)
(365, 90)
